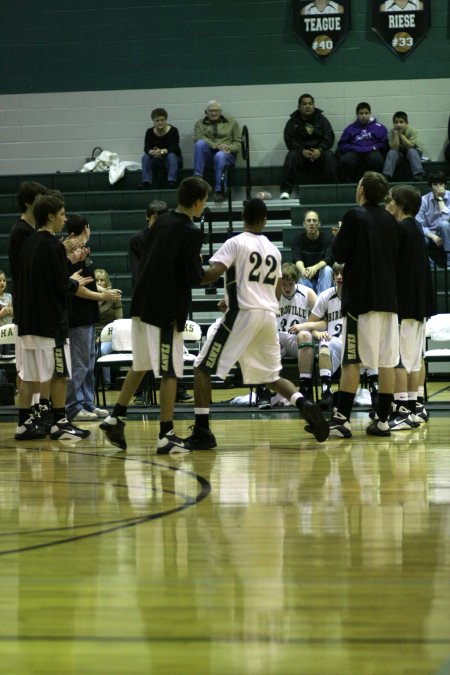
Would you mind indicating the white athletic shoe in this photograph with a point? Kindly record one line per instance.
(85, 416)
(101, 412)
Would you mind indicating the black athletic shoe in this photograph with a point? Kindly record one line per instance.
(29, 431)
(171, 444)
(401, 420)
(421, 413)
(263, 397)
(184, 397)
(378, 428)
(264, 404)
(114, 428)
(327, 401)
(201, 439)
(43, 416)
(340, 426)
(65, 431)
(314, 416)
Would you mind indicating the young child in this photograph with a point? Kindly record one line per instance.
(404, 144)
(6, 306)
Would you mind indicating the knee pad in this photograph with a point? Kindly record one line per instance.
(306, 344)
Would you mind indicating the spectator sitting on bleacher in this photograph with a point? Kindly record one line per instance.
(217, 143)
(161, 150)
(312, 255)
(434, 217)
(309, 137)
(404, 144)
(362, 146)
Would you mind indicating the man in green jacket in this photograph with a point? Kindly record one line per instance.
(217, 143)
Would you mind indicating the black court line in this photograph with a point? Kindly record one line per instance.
(251, 639)
(205, 489)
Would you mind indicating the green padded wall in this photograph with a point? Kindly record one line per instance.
(93, 45)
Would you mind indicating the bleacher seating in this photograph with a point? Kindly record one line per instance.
(116, 212)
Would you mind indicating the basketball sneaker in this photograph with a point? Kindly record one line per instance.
(339, 426)
(63, 430)
(421, 413)
(317, 423)
(378, 428)
(171, 444)
(114, 429)
(29, 431)
(326, 402)
(401, 420)
(46, 417)
(201, 439)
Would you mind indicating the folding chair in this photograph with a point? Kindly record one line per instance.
(437, 330)
(119, 333)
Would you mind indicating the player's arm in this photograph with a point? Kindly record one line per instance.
(312, 299)
(313, 323)
(213, 273)
(278, 289)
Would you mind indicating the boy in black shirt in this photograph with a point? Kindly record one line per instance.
(368, 244)
(43, 284)
(414, 305)
(170, 267)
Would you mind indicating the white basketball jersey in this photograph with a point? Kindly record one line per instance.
(293, 310)
(328, 305)
(330, 8)
(253, 269)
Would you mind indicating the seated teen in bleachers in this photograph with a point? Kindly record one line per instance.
(434, 217)
(312, 255)
(404, 145)
(362, 146)
(296, 303)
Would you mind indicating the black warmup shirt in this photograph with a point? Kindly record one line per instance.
(368, 244)
(170, 267)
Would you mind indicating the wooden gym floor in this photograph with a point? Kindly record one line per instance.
(271, 555)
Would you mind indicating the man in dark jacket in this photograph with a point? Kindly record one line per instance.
(309, 137)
